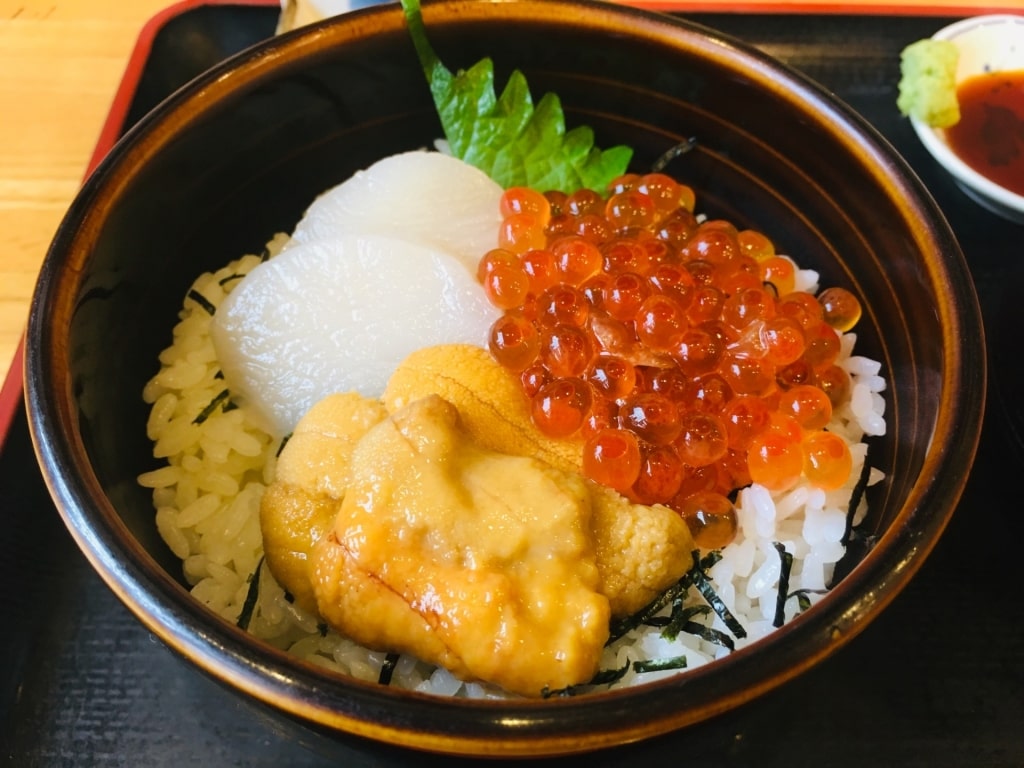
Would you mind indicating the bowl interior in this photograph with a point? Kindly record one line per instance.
(237, 156)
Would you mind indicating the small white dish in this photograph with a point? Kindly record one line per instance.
(991, 43)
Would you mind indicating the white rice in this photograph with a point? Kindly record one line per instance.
(207, 511)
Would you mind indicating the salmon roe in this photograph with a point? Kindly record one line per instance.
(678, 351)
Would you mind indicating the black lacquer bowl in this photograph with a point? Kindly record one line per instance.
(240, 152)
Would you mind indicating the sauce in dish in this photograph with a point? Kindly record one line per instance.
(990, 134)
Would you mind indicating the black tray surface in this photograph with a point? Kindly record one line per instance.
(937, 680)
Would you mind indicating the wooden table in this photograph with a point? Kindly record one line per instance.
(60, 64)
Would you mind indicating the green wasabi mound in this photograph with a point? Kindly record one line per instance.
(928, 82)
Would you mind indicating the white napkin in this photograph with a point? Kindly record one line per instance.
(296, 13)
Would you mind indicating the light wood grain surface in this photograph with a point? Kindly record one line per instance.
(61, 62)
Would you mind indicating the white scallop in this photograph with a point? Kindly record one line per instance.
(426, 197)
(338, 315)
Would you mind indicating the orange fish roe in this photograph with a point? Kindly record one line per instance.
(678, 351)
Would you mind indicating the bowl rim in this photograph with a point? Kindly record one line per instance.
(932, 137)
(505, 728)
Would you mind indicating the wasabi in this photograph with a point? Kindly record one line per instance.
(928, 83)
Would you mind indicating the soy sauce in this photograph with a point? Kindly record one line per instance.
(990, 134)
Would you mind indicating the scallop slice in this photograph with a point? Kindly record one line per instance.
(426, 197)
(339, 315)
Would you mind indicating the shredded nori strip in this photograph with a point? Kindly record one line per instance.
(780, 601)
(387, 669)
(284, 442)
(603, 677)
(659, 665)
(681, 615)
(855, 498)
(202, 301)
(648, 614)
(207, 412)
(802, 598)
(251, 596)
(609, 676)
(857, 542)
(710, 559)
(225, 280)
(672, 153)
(703, 584)
(626, 624)
(322, 628)
(803, 602)
(709, 634)
(681, 620)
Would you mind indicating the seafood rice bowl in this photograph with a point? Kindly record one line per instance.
(220, 461)
(528, 440)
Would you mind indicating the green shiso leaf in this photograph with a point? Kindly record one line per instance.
(506, 136)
